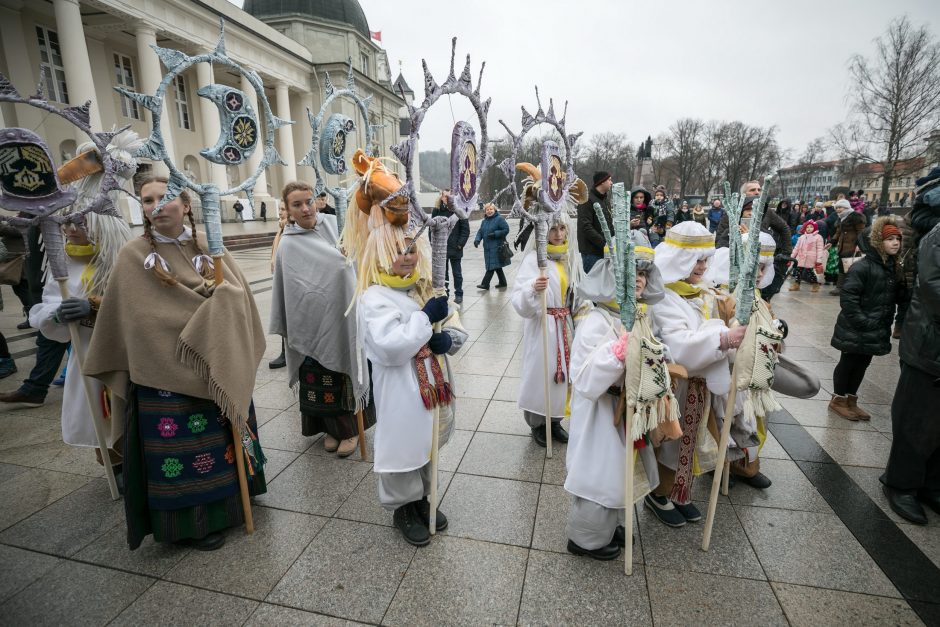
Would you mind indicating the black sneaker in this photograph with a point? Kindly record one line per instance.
(558, 432)
(759, 481)
(210, 542)
(664, 510)
(689, 512)
(424, 511)
(408, 521)
(458, 300)
(538, 434)
(278, 362)
(605, 553)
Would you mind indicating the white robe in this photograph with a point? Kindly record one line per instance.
(394, 329)
(77, 426)
(596, 448)
(528, 304)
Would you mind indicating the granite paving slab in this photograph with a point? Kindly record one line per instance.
(455, 581)
(351, 570)
(21, 568)
(790, 545)
(505, 456)
(32, 490)
(809, 606)
(486, 508)
(167, 603)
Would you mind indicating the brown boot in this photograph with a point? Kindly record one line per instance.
(815, 287)
(795, 287)
(853, 405)
(840, 405)
(896, 334)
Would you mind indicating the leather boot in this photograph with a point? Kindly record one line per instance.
(815, 288)
(412, 528)
(604, 554)
(840, 405)
(853, 405)
(905, 505)
(795, 287)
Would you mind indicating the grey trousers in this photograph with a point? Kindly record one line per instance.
(591, 525)
(536, 420)
(400, 488)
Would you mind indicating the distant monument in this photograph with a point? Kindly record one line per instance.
(643, 173)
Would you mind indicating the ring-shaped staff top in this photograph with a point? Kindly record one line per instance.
(31, 183)
(405, 151)
(238, 139)
(557, 177)
(329, 141)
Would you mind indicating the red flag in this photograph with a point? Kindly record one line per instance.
(376, 35)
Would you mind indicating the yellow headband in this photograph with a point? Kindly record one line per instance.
(690, 241)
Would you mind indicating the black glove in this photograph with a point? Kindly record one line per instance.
(476, 243)
(784, 329)
(73, 309)
(440, 343)
(436, 309)
(491, 235)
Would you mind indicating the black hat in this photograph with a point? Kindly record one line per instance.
(321, 194)
(748, 202)
(600, 177)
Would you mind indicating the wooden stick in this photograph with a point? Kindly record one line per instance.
(543, 272)
(722, 454)
(237, 438)
(628, 496)
(361, 424)
(435, 443)
(725, 472)
(90, 396)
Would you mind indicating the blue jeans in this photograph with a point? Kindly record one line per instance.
(588, 261)
(454, 262)
(49, 354)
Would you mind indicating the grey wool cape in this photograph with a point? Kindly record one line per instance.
(312, 288)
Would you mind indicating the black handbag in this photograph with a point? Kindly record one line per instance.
(505, 253)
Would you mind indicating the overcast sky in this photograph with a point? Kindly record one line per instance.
(635, 67)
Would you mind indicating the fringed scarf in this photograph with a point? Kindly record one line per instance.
(439, 394)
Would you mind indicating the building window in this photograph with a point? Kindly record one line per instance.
(364, 59)
(50, 59)
(124, 74)
(182, 104)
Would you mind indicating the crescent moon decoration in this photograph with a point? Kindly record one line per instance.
(556, 173)
(30, 183)
(469, 165)
(239, 134)
(329, 141)
(238, 139)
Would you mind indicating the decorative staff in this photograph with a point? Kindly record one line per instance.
(30, 184)
(328, 150)
(746, 273)
(468, 162)
(329, 140)
(734, 204)
(557, 183)
(238, 140)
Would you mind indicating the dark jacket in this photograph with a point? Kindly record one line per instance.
(683, 216)
(492, 232)
(458, 235)
(645, 214)
(847, 233)
(714, 217)
(920, 339)
(771, 223)
(590, 236)
(873, 287)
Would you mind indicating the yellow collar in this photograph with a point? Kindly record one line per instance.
(684, 289)
(398, 282)
(80, 250)
(557, 249)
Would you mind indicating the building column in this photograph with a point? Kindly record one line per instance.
(209, 117)
(151, 73)
(78, 76)
(285, 134)
(261, 186)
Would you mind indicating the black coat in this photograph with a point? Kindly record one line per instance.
(771, 223)
(458, 236)
(873, 288)
(590, 236)
(920, 338)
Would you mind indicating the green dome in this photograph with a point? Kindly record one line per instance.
(347, 12)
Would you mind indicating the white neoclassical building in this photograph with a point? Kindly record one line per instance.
(89, 47)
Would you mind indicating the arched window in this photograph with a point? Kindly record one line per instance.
(67, 150)
(191, 167)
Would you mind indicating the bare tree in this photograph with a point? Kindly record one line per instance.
(710, 173)
(893, 101)
(608, 152)
(814, 153)
(684, 145)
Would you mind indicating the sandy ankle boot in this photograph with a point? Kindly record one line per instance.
(853, 405)
(840, 405)
(795, 287)
(815, 287)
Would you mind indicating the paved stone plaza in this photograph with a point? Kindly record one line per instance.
(818, 547)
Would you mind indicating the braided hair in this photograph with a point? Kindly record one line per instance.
(165, 277)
